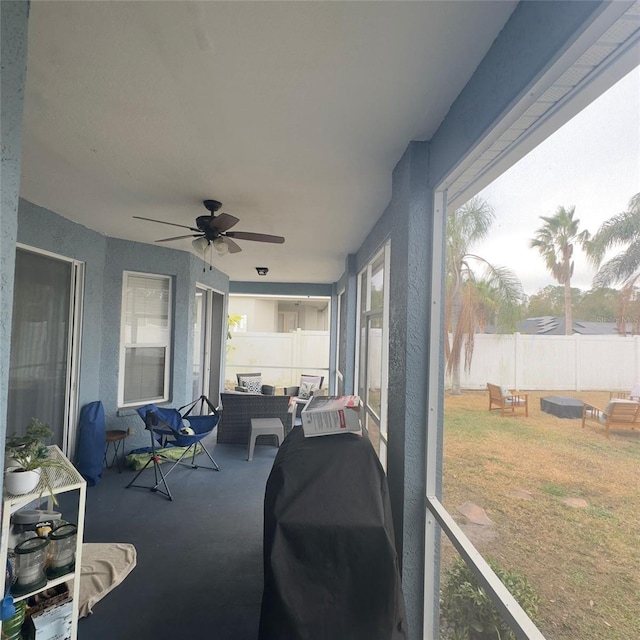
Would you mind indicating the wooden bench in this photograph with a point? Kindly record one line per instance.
(507, 401)
(619, 413)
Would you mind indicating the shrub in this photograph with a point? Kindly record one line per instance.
(468, 611)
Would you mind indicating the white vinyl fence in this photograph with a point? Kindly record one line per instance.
(280, 357)
(532, 362)
(525, 362)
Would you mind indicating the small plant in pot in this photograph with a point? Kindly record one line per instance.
(26, 456)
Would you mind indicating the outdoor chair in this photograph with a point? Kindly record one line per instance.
(618, 413)
(169, 428)
(309, 385)
(634, 394)
(507, 401)
(252, 383)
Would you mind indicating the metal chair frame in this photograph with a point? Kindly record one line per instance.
(156, 425)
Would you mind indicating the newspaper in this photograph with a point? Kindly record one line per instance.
(327, 415)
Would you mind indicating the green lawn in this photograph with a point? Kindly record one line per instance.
(584, 561)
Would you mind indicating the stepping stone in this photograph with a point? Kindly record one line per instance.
(576, 503)
(479, 535)
(522, 493)
(474, 514)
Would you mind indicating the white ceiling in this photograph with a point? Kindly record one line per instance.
(293, 114)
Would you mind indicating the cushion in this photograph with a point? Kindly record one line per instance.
(505, 392)
(252, 384)
(307, 388)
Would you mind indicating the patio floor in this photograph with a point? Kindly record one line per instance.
(199, 572)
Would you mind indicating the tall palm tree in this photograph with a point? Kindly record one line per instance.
(476, 291)
(554, 241)
(621, 230)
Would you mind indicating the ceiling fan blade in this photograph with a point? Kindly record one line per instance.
(190, 235)
(224, 221)
(173, 224)
(233, 246)
(257, 237)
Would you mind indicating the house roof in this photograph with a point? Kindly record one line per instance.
(554, 326)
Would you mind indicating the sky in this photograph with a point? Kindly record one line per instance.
(592, 162)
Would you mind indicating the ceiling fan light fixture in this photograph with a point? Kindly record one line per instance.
(221, 247)
(200, 244)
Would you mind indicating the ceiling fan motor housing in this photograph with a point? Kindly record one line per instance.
(204, 224)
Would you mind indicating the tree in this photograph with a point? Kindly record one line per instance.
(549, 301)
(596, 305)
(472, 298)
(554, 241)
(621, 230)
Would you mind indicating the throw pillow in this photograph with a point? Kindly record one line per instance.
(307, 389)
(253, 384)
(504, 392)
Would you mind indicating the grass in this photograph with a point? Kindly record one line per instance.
(584, 562)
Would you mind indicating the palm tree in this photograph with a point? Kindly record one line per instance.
(554, 241)
(472, 299)
(621, 230)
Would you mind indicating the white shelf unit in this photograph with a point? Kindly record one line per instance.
(61, 479)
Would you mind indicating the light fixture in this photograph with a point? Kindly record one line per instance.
(262, 271)
(221, 247)
(200, 244)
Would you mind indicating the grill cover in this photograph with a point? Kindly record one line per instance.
(330, 564)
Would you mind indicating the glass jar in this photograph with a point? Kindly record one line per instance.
(62, 550)
(30, 556)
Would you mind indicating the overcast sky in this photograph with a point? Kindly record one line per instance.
(593, 162)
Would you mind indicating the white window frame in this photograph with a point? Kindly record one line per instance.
(167, 345)
(367, 314)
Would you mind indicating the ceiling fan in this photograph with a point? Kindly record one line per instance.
(214, 229)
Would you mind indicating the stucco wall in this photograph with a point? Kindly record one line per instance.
(13, 53)
(407, 223)
(43, 229)
(122, 255)
(105, 259)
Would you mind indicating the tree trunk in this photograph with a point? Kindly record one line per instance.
(455, 380)
(456, 310)
(568, 316)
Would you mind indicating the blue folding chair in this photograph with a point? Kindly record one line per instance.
(171, 428)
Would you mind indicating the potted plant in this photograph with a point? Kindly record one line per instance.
(26, 456)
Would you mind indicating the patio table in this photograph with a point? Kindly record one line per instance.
(561, 406)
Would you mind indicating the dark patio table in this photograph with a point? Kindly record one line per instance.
(561, 406)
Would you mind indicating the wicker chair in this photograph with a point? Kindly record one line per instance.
(239, 408)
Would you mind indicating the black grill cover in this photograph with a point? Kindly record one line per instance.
(330, 564)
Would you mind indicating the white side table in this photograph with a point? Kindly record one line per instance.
(264, 427)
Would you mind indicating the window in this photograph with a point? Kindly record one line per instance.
(373, 349)
(144, 339)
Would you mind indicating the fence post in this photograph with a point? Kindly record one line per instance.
(297, 340)
(516, 360)
(577, 360)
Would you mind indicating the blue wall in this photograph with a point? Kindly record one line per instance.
(13, 53)
(105, 260)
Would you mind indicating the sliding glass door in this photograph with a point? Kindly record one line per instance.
(208, 338)
(45, 336)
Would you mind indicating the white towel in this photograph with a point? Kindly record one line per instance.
(104, 567)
